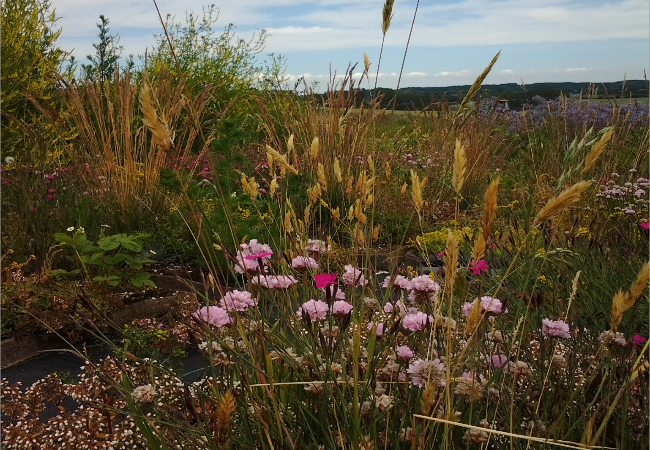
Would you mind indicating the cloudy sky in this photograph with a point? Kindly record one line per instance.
(452, 41)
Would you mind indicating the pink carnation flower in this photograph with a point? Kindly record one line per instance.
(488, 304)
(353, 276)
(304, 263)
(404, 352)
(478, 266)
(388, 308)
(317, 246)
(316, 310)
(260, 255)
(424, 283)
(380, 328)
(238, 300)
(555, 328)
(274, 281)
(400, 281)
(341, 308)
(325, 279)
(214, 316)
(499, 361)
(416, 321)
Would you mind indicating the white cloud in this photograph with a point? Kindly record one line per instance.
(462, 73)
(577, 69)
(507, 72)
(416, 74)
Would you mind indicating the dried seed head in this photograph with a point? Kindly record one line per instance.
(417, 187)
(375, 233)
(290, 145)
(558, 204)
(250, 186)
(625, 300)
(336, 214)
(404, 187)
(474, 318)
(366, 63)
(460, 166)
(280, 159)
(273, 187)
(314, 148)
(451, 260)
(288, 227)
(490, 207)
(478, 252)
(314, 193)
(321, 176)
(387, 15)
(337, 171)
(597, 150)
(156, 124)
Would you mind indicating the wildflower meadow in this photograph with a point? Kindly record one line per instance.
(462, 276)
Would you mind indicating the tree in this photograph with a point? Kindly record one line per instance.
(107, 53)
(30, 71)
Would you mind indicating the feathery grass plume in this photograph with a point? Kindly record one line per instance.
(280, 159)
(269, 160)
(371, 164)
(358, 213)
(404, 188)
(597, 150)
(359, 235)
(625, 300)
(366, 63)
(336, 214)
(429, 397)
(290, 145)
(314, 192)
(250, 186)
(477, 84)
(474, 318)
(417, 187)
(321, 176)
(225, 411)
(574, 291)
(460, 167)
(273, 187)
(375, 233)
(155, 123)
(307, 215)
(288, 227)
(558, 204)
(478, 252)
(315, 145)
(489, 208)
(451, 260)
(337, 170)
(387, 15)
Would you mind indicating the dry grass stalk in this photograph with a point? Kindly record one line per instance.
(280, 159)
(417, 186)
(597, 150)
(366, 63)
(558, 204)
(478, 252)
(225, 410)
(387, 15)
(451, 261)
(574, 291)
(250, 186)
(273, 186)
(489, 208)
(314, 193)
(315, 147)
(477, 84)
(429, 398)
(288, 227)
(460, 167)
(474, 318)
(625, 300)
(321, 176)
(375, 233)
(156, 124)
(337, 171)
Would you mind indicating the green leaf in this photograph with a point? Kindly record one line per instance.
(63, 273)
(115, 259)
(109, 243)
(130, 242)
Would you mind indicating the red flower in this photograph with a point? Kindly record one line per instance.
(259, 255)
(645, 225)
(478, 266)
(325, 279)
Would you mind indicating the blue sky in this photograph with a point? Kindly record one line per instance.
(452, 41)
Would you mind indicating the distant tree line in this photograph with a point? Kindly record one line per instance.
(416, 98)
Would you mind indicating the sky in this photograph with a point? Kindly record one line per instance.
(451, 42)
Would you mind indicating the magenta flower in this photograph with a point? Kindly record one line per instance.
(316, 310)
(238, 300)
(478, 266)
(645, 225)
(555, 328)
(325, 279)
(341, 308)
(260, 255)
(214, 316)
(637, 339)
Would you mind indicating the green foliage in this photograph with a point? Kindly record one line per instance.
(30, 65)
(108, 259)
(107, 51)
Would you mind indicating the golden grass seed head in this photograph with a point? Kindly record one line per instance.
(321, 176)
(387, 15)
(366, 63)
(561, 202)
(315, 146)
(460, 167)
(337, 170)
(597, 150)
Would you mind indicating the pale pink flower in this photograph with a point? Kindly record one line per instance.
(380, 328)
(388, 308)
(317, 246)
(353, 276)
(416, 321)
(499, 361)
(555, 328)
(238, 300)
(488, 304)
(424, 283)
(214, 316)
(340, 295)
(404, 352)
(400, 281)
(316, 310)
(341, 308)
(423, 370)
(304, 263)
(274, 281)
